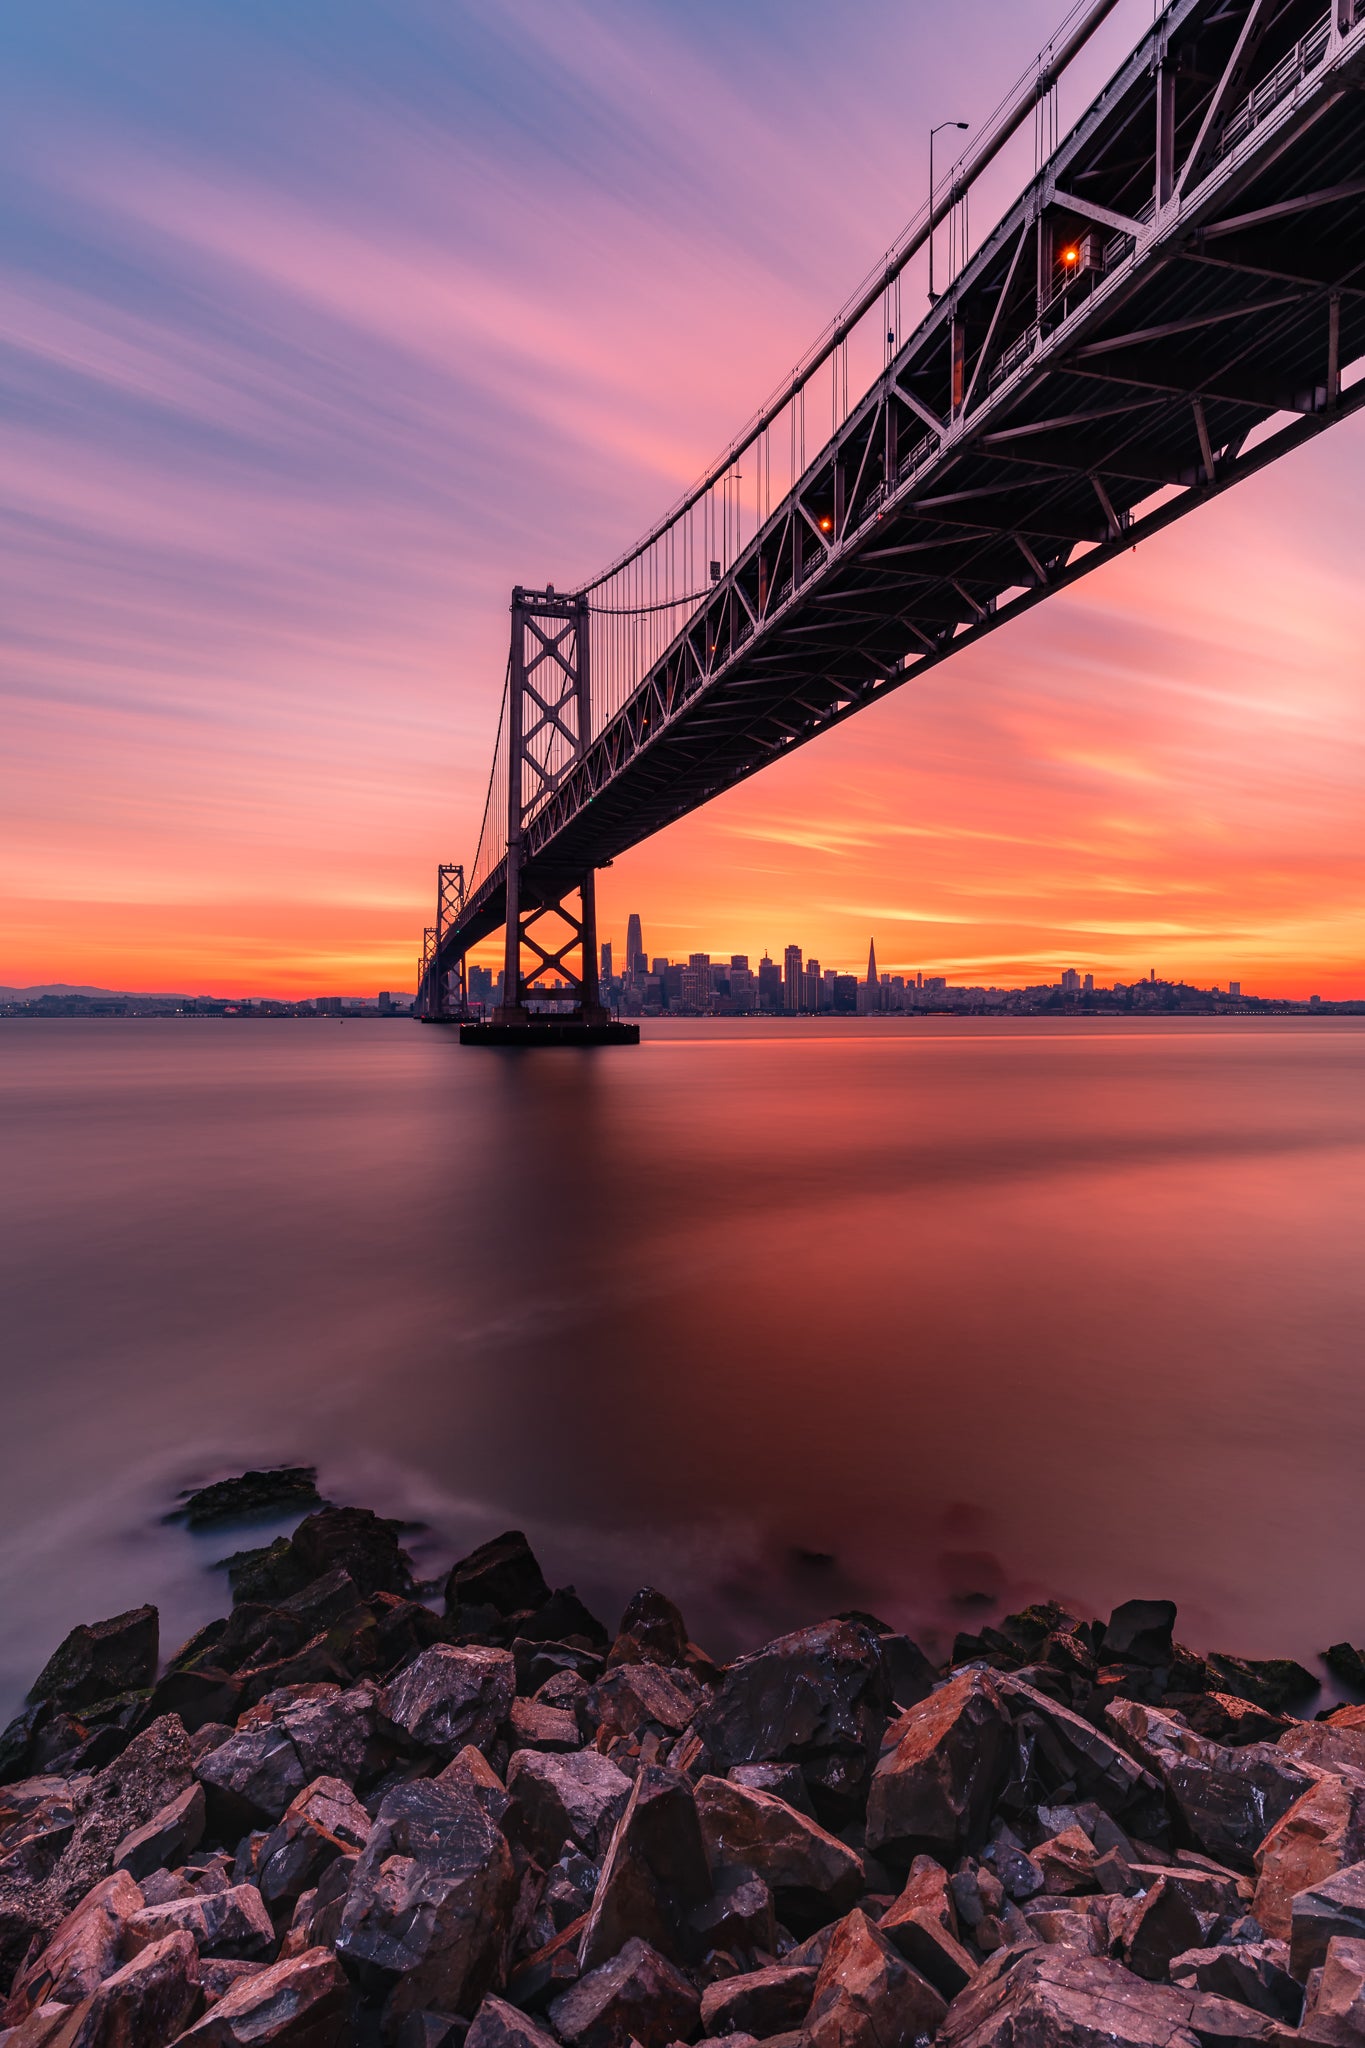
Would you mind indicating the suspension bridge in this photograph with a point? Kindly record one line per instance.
(1176, 300)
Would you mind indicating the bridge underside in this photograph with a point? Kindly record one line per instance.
(1040, 421)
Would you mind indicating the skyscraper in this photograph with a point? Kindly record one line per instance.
(635, 946)
(606, 959)
(791, 979)
(870, 991)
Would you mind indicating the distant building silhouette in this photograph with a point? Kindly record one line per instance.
(636, 962)
(606, 960)
(870, 991)
(792, 990)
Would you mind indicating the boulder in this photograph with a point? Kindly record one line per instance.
(322, 1822)
(303, 2001)
(144, 2005)
(472, 1768)
(814, 1877)
(563, 1619)
(637, 1697)
(352, 1540)
(1057, 1998)
(935, 1784)
(1227, 1800)
(1061, 1749)
(499, 2025)
(84, 1949)
(251, 1493)
(1335, 1906)
(1253, 1973)
(502, 1574)
(429, 1901)
(1335, 2008)
(866, 1995)
(1324, 1746)
(654, 1875)
(557, 1799)
(1182, 1910)
(1322, 1833)
(1275, 1683)
(638, 1996)
(448, 1697)
(818, 1698)
(283, 1744)
(652, 1631)
(784, 1781)
(1140, 1632)
(739, 1914)
(99, 1659)
(759, 2002)
(1067, 1862)
(535, 1724)
(218, 1975)
(167, 1838)
(227, 1923)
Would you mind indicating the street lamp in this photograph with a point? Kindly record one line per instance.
(932, 133)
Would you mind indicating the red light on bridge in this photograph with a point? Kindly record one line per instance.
(826, 526)
(1071, 257)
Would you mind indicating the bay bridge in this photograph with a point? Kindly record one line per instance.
(1175, 300)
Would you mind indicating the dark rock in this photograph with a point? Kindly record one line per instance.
(910, 1676)
(1226, 1800)
(304, 2001)
(1274, 1683)
(654, 1875)
(283, 1744)
(502, 1574)
(818, 1698)
(637, 1697)
(558, 1799)
(813, 1876)
(1335, 2008)
(227, 1923)
(322, 1822)
(638, 1996)
(1139, 1632)
(945, 1761)
(431, 2030)
(784, 1781)
(499, 2025)
(448, 1697)
(471, 1768)
(1057, 1748)
(1057, 1997)
(352, 1540)
(922, 1926)
(1017, 1871)
(144, 2005)
(758, 2002)
(167, 1838)
(250, 1493)
(218, 1975)
(534, 1724)
(540, 1663)
(867, 1995)
(1182, 1910)
(1323, 1832)
(652, 1631)
(549, 1971)
(99, 1659)
(1336, 1906)
(1223, 1717)
(1254, 1973)
(200, 1697)
(430, 1901)
(563, 1618)
(739, 1915)
(1067, 1862)
(82, 1950)
(1346, 1663)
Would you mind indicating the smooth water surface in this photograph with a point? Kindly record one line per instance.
(785, 1317)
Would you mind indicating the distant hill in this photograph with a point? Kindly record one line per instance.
(82, 988)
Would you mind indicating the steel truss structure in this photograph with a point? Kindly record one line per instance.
(1176, 301)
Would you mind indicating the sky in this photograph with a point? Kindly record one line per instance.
(323, 325)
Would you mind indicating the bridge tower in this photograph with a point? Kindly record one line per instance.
(549, 731)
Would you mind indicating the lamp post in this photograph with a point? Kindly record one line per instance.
(932, 133)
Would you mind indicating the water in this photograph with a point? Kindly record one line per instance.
(927, 1317)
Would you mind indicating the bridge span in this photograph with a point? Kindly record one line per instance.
(1175, 300)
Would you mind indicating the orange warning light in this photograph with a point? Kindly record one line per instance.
(826, 526)
(1071, 256)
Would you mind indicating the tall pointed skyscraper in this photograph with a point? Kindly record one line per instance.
(872, 981)
(870, 991)
(636, 962)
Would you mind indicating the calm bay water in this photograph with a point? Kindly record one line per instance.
(786, 1318)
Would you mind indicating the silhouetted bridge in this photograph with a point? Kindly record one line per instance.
(1176, 299)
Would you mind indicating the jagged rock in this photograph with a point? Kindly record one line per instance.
(1017, 1871)
(82, 1950)
(922, 1926)
(1140, 1632)
(1222, 1717)
(471, 1768)
(818, 1698)
(1271, 1682)
(563, 1619)
(37, 1820)
(303, 2001)
(218, 1974)
(638, 1996)
(652, 1631)
(322, 1822)
(448, 1697)
(866, 1994)
(167, 1838)
(1335, 1906)
(1324, 1746)
(144, 2005)
(502, 1574)
(499, 2025)
(227, 1923)
(813, 1876)
(758, 2002)
(99, 1659)
(933, 1788)
(534, 1724)
(1322, 1833)
(1335, 2008)
(277, 1490)
(1182, 1910)
(1226, 1799)
(654, 1875)
(1253, 1973)
(784, 1781)
(353, 1539)
(557, 1673)
(740, 1913)
(430, 1900)
(535, 1982)
(558, 1799)
(635, 1697)
(284, 1744)
(1057, 1997)
(1062, 1749)
(1067, 1862)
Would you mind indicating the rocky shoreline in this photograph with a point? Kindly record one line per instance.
(337, 1816)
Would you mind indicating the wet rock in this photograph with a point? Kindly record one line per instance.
(818, 1698)
(448, 1697)
(933, 1789)
(1140, 1632)
(1322, 1833)
(866, 1994)
(218, 1974)
(563, 1618)
(284, 1744)
(1222, 1717)
(322, 1822)
(144, 2005)
(1324, 1746)
(301, 2002)
(1335, 1906)
(654, 1875)
(251, 1493)
(83, 1949)
(534, 1724)
(637, 1697)
(652, 1631)
(739, 1914)
(167, 1838)
(502, 1574)
(557, 1673)
(1056, 1996)
(471, 1768)
(922, 1926)
(1227, 1800)
(784, 1781)
(429, 1901)
(99, 1659)
(1056, 1748)
(813, 1876)
(758, 2002)
(499, 2025)
(227, 1923)
(1335, 2008)
(544, 1975)
(1275, 1683)
(1253, 1973)
(558, 1799)
(352, 1540)
(1182, 1910)
(637, 1996)
(1067, 1862)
